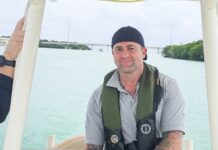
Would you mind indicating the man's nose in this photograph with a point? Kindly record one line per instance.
(125, 53)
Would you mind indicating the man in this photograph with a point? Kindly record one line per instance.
(7, 64)
(136, 108)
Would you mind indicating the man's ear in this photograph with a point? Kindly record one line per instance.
(144, 50)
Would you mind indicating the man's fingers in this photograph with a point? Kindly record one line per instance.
(19, 33)
(19, 39)
(20, 23)
(18, 36)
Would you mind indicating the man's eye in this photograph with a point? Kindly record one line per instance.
(131, 49)
(118, 50)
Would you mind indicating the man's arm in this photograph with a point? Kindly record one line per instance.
(5, 95)
(94, 128)
(13, 48)
(93, 147)
(171, 141)
(7, 72)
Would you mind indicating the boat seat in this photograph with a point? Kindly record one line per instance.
(76, 143)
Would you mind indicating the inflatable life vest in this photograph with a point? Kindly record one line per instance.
(149, 97)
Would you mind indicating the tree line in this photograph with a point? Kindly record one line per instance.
(62, 45)
(190, 51)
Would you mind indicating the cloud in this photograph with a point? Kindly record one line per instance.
(96, 21)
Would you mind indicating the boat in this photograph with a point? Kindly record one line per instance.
(26, 62)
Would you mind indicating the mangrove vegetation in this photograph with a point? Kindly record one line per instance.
(190, 51)
(63, 45)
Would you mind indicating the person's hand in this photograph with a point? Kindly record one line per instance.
(15, 42)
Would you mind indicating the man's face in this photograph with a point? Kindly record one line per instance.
(128, 56)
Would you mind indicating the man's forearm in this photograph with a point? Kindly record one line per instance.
(5, 96)
(171, 141)
(93, 147)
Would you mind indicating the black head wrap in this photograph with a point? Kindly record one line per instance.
(128, 33)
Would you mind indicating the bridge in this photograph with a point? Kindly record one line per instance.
(98, 45)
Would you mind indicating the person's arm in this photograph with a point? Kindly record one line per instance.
(94, 124)
(7, 72)
(173, 116)
(171, 141)
(5, 96)
(13, 48)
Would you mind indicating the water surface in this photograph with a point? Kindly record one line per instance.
(65, 79)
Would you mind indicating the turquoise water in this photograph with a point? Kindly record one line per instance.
(64, 80)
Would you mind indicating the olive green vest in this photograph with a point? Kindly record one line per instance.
(110, 98)
(149, 95)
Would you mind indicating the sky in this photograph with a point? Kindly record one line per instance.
(161, 22)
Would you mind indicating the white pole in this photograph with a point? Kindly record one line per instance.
(50, 142)
(188, 144)
(23, 76)
(217, 10)
(210, 37)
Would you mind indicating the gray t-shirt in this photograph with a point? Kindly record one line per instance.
(169, 116)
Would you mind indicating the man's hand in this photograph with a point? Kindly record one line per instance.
(13, 47)
(171, 141)
(15, 42)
